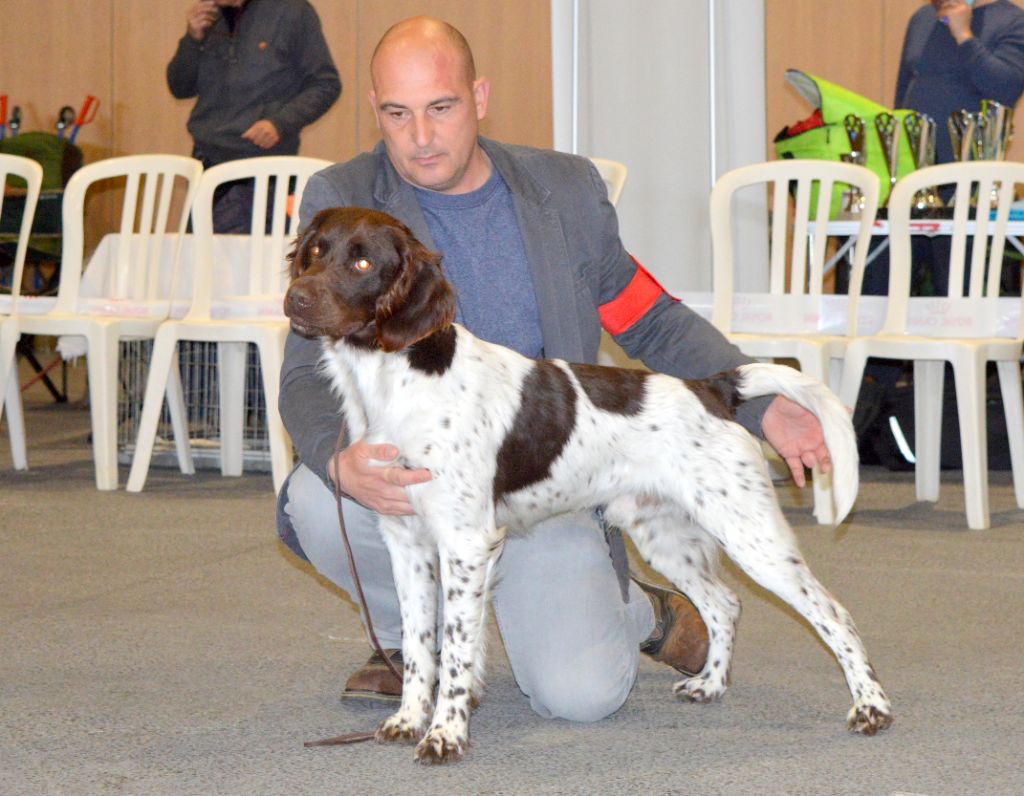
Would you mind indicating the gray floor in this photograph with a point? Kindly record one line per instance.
(165, 643)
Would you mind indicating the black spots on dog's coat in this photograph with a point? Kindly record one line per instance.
(543, 425)
(616, 390)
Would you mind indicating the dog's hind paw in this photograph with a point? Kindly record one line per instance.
(441, 746)
(868, 719)
(699, 689)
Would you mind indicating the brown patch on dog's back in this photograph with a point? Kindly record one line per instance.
(542, 426)
(618, 390)
(719, 393)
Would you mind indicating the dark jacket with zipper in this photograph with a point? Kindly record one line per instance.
(275, 65)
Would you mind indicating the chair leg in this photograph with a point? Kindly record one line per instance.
(969, 373)
(1013, 408)
(103, 370)
(179, 416)
(929, 376)
(231, 373)
(835, 374)
(271, 360)
(816, 363)
(10, 395)
(854, 363)
(164, 355)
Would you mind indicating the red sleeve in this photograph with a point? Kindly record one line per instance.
(619, 314)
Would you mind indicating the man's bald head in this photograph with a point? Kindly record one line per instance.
(425, 33)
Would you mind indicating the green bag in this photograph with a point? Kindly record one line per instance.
(830, 141)
(58, 158)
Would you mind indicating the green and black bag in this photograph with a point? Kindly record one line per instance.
(829, 140)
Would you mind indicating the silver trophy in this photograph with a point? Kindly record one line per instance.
(888, 129)
(920, 130)
(998, 129)
(853, 199)
(962, 124)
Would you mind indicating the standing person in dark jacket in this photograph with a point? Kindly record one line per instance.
(956, 54)
(261, 71)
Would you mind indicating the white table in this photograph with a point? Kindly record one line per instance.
(928, 227)
(230, 284)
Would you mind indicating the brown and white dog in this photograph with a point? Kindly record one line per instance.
(510, 441)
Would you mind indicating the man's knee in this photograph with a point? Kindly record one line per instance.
(589, 688)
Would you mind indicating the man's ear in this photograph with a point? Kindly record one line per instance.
(481, 95)
(371, 95)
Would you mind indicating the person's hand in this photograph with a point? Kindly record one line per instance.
(263, 134)
(957, 15)
(359, 472)
(796, 435)
(200, 17)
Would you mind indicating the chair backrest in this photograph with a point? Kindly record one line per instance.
(152, 189)
(799, 196)
(983, 193)
(614, 175)
(32, 173)
(279, 184)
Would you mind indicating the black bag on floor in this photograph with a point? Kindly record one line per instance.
(884, 423)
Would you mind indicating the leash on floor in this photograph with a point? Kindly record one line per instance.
(353, 737)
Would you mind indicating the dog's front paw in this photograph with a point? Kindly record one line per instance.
(868, 718)
(400, 728)
(699, 689)
(442, 745)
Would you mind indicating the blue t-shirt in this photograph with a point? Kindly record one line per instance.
(483, 256)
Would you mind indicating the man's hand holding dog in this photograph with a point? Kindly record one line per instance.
(797, 437)
(368, 474)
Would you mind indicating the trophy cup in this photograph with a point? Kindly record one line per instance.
(888, 129)
(853, 199)
(961, 133)
(998, 128)
(920, 130)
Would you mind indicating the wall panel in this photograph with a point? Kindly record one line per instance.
(54, 52)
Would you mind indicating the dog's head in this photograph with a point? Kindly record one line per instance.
(363, 276)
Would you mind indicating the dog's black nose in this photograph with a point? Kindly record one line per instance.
(295, 301)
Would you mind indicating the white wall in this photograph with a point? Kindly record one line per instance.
(644, 99)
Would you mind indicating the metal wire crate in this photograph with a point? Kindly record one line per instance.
(199, 378)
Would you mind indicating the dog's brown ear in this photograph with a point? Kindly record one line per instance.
(420, 302)
(298, 255)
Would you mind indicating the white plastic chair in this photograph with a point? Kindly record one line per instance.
(131, 306)
(796, 276)
(969, 336)
(614, 175)
(32, 173)
(266, 283)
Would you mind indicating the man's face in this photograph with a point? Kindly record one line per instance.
(428, 114)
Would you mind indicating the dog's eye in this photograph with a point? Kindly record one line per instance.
(362, 264)
(314, 251)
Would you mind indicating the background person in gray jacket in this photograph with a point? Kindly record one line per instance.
(531, 244)
(260, 71)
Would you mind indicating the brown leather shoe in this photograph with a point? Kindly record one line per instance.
(680, 638)
(374, 681)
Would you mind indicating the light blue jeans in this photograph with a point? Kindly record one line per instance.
(571, 639)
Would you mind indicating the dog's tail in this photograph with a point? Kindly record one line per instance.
(762, 379)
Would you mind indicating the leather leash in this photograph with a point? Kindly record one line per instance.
(353, 737)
